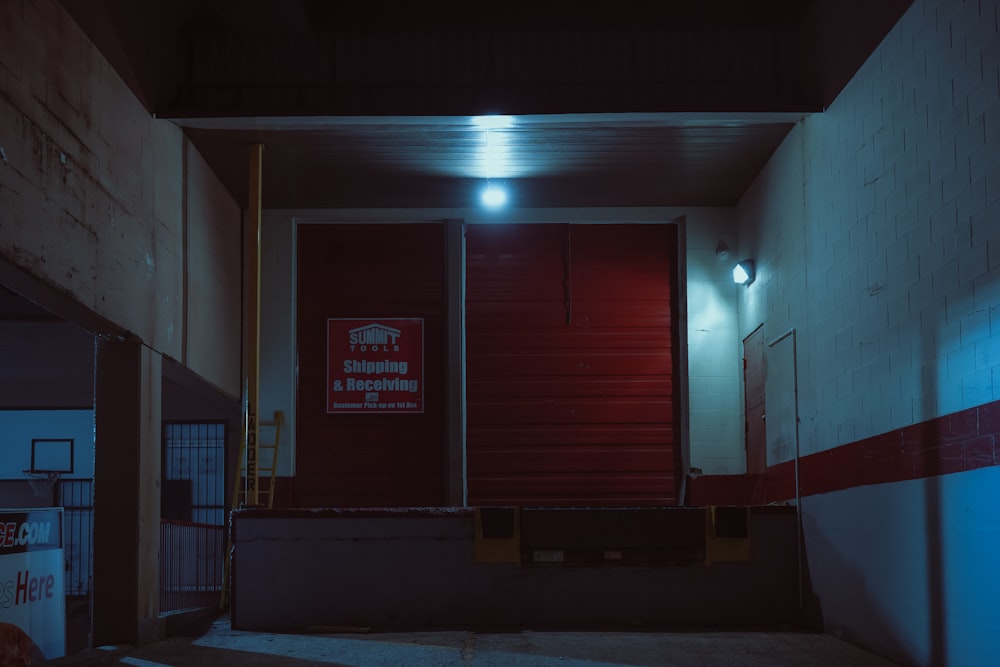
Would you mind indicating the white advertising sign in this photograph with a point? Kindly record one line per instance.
(32, 592)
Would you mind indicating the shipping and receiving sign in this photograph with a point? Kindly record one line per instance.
(32, 593)
(375, 365)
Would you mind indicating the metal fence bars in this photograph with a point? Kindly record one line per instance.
(76, 496)
(194, 464)
(190, 565)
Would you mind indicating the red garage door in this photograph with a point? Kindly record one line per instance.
(571, 351)
(370, 327)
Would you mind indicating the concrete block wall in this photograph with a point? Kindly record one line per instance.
(897, 178)
(895, 297)
(103, 203)
(773, 212)
(714, 350)
(875, 227)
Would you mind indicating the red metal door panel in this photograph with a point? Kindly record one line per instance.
(570, 349)
(561, 362)
(378, 459)
(547, 460)
(594, 411)
(541, 435)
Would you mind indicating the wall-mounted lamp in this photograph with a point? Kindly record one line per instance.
(722, 251)
(744, 272)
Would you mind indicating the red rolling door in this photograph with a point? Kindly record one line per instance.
(571, 352)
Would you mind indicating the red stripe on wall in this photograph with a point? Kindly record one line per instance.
(958, 442)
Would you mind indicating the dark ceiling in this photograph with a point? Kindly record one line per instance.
(373, 104)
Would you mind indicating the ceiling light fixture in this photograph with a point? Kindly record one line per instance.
(494, 196)
(494, 158)
(493, 122)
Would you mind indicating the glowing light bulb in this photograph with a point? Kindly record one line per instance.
(494, 196)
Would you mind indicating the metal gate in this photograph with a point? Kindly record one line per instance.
(194, 465)
(76, 496)
(193, 511)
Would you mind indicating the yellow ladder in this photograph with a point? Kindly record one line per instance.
(267, 462)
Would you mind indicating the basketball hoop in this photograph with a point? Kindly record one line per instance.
(41, 481)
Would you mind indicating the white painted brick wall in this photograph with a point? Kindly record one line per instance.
(901, 221)
(715, 383)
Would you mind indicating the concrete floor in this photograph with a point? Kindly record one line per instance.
(220, 645)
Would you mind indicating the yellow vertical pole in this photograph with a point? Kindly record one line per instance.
(252, 426)
(248, 457)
